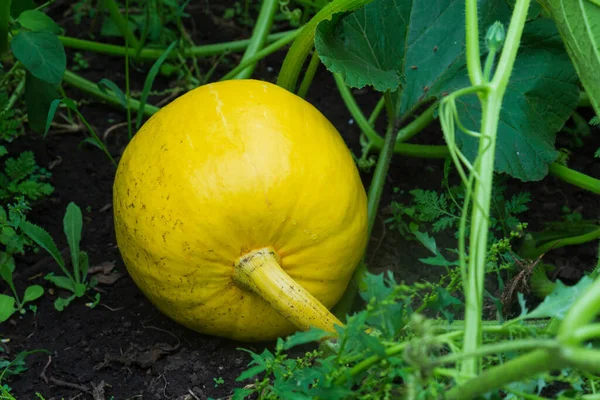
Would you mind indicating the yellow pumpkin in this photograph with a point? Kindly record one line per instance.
(239, 211)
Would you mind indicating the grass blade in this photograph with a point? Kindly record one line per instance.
(150, 81)
(72, 223)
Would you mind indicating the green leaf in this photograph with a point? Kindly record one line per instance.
(32, 293)
(7, 307)
(42, 239)
(560, 300)
(304, 337)
(37, 21)
(79, 289)
(62, 302)
(72, 224)
(150, 81)
(407, 46)
(61, 281)
(108, 86)
(38, 98)
(42, 54)
(401, 43)
(577, 22)
(541, 95)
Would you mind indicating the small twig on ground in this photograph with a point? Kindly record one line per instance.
(190, 391)
(43, 374)
(61, 383)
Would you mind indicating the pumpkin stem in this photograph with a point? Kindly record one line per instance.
(260, 272)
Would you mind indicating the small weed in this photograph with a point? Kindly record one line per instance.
(218, 381)
(76, 282)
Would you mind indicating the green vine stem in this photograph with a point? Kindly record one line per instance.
(4, 20)
(491, 104)
(377, 142)
(575, 178)
(153, 54)
(516, 369)
(259, 35)
(91, 88)
(296, 56)
(562, 242)
(270, 49)
(309, 75)
(122, 23)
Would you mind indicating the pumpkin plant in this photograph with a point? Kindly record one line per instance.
(239, 211)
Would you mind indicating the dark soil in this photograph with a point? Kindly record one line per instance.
(125, 343)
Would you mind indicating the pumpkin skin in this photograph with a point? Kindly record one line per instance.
(225, 169)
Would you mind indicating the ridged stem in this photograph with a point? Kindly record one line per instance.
(260, 272)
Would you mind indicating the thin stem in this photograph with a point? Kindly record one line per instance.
(122, 23)
(91, 88)
(472, 42)
(517, 369)
(259, 35)
(270, 49)
(575, 178)
(568, 241)
(581, 313)
(309, 74)
(581, 358)
(153, 54)
(410, 130)
(296, 56)
(586, 332)
(383, 165)
(127, 91)
(496, 348)
(15, 67)
(15, 95)
(376, 111)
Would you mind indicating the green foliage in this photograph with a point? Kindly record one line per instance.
(398, 46)
(23, 177)
(42, 54)
(75, 282)
(388, 350)
(9, 125)
(442, 210)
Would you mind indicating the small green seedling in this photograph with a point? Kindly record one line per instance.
(11, 304)
(75, 282)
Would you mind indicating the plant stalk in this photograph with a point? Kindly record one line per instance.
(91, 88)
(122, 23)
(309, 74)
(517, 369)
(153, 54)
(491, 105)
(296, 56)
(575, 178)
(270, 49)
(259, 35)
(260, 272)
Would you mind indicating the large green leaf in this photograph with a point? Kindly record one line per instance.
(417, 49)
(541, 95)
(42, 54)
(578, 22)
(416, 45)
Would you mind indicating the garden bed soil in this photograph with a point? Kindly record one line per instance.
(124, 347)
